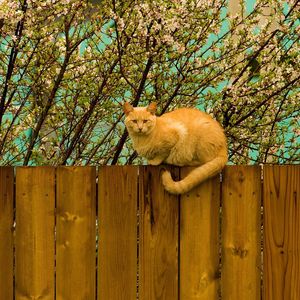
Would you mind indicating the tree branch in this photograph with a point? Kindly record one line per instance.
(47, 108)
(240, 120)
(11, 63)
(138, 95)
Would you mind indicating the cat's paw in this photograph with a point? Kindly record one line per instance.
(155, 161)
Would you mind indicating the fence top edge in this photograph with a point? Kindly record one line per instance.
(147, 166)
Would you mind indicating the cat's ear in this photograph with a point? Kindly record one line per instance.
(127, 108)
(152, 108)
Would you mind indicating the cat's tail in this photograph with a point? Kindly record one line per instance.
(195, 177)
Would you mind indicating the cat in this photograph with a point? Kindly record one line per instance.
(183, 137)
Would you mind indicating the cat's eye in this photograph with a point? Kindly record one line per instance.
(134, 121)
(145, 121)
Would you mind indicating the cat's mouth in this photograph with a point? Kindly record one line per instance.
(140, 132)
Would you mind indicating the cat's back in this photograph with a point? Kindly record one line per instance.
(188, 116)
(196, 124)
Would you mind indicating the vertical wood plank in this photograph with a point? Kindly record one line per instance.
(159, 221)
(241, 221)
(35, 204)
(6, 232)
(76, 233)
(199, 240)
(117, 196)
(281, 232)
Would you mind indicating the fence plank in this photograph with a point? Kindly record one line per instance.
(6, 232)
(117, 274)
(35, 204)
(281, 232)
(241, 223)
(76, 232)
(159, 221)
(199, 241)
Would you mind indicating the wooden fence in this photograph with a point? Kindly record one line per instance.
(112, 233)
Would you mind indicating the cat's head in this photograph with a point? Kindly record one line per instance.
(140, 120)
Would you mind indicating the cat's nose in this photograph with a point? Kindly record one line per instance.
(140, 126)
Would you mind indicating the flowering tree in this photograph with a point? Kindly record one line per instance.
(67, 66)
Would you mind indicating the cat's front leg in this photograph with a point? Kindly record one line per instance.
(155, 161)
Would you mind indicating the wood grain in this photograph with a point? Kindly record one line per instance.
(35, 204)
(199, 240)
(241, 221)
(159, 221)
(117, 202)
(76, 233)
(6, 232)
(281, 232)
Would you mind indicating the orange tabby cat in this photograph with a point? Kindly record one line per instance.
(183, 137)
